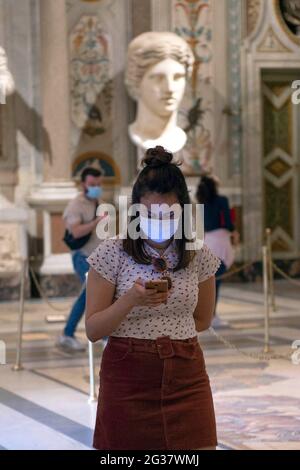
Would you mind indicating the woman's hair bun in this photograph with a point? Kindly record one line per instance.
(157, 156)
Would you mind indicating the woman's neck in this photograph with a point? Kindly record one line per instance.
(161, 247)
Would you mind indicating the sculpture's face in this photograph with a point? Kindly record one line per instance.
(162, 87)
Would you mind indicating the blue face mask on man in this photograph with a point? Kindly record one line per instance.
(94, 192)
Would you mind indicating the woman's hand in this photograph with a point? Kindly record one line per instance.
(138, 295)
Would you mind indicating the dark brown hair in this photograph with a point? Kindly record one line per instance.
(90, 171)
(160, 175)
(207, 190)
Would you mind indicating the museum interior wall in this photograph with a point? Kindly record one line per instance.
(71, 109)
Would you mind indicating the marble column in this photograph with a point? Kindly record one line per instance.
(57, 188)
(55, 91)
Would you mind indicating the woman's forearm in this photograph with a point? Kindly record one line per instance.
(204, 310)
(202, 326)
(105, 322)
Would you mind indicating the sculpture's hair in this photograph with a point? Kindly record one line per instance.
(148, 49)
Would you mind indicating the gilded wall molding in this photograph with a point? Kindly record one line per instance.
(100, 161)
(271, 43)
(253, 12)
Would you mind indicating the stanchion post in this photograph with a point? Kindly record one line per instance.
(18, 365)
(93, 395)
(266, 299)
(270, 269)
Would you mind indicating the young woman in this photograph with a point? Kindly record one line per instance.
(154, 389)
(220, 232)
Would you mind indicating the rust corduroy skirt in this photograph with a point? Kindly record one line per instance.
(154, 395)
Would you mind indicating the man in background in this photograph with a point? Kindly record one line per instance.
(80, 219)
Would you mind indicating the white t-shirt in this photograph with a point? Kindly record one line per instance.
(174, 318)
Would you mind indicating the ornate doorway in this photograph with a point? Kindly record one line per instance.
(280, 160)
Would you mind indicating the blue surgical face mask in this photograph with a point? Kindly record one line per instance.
(158, 230)
(94, 192)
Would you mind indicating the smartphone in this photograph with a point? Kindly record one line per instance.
(161, 285)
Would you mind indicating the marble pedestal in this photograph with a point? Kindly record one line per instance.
(52, 199)
(13, 249)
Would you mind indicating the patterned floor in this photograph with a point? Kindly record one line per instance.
(257, 402)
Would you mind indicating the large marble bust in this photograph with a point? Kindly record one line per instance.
(6, 79)
(158, 65)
